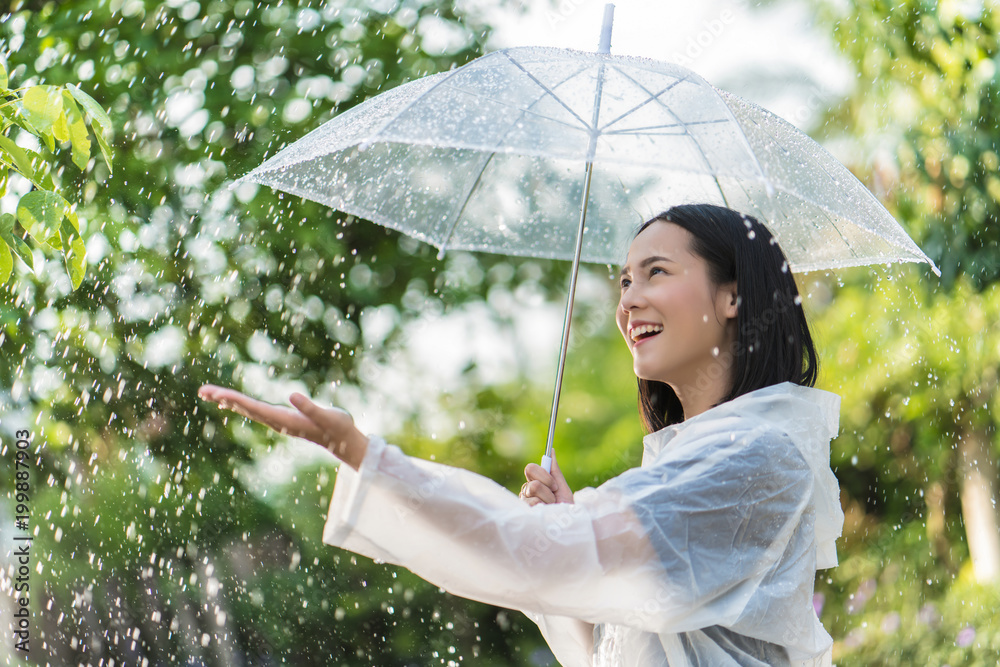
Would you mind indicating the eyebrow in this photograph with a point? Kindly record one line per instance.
(646, 262)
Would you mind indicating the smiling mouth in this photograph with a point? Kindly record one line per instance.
(644, 332)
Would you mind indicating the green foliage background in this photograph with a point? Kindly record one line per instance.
(167, 532)
(915, 358)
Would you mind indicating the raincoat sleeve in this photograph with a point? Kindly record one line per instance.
(571, 640)
(675, 546)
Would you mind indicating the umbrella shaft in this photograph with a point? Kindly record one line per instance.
(591, 153)
(569, 310)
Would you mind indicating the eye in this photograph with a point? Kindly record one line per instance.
(656, 269)
(625, 282)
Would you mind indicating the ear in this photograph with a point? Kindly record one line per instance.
(727, 300)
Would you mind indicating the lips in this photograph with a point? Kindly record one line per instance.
(641, 331)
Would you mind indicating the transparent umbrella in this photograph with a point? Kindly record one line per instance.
(555, 153)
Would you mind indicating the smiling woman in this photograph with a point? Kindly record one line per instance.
(704, 555)
(722, 263)
(674, 318)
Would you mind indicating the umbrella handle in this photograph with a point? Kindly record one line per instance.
(547, 462)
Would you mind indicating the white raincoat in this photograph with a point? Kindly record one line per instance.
(705, 555)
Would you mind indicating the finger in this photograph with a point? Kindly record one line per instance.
(532, 501)
(279, 418)
(536, 489)
(332, 417)
(208, 391)
(533, 471)
(336, 427)
(557, 473)
(334, 424)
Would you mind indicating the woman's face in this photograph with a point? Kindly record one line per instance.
(678, 325)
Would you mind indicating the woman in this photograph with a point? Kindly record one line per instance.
(707, 553)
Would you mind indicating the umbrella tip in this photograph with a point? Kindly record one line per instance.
(609, 19)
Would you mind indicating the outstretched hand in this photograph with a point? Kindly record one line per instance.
(544, 487)
(331, 428)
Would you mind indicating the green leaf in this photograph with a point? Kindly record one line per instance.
(3, 78)
(105, 150)
(40, 212)
(28, 163)
(53, 242)
(14, 241)
(78, 135)
(99, 117)
(60, 129)
(50, 141)
(22, 120)
(74, 253)
(17, 157)
(6, 262)
(6, 241)
(72, 219)
(7, 225)
(43, 170)
(23, 250)
(90, 105)
(42, 106)
(8, 115)
(4, 180)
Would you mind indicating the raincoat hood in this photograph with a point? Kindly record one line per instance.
(809, 416)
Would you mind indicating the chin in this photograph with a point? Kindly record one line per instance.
(650, 376)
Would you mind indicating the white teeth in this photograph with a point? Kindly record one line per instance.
(645, 329)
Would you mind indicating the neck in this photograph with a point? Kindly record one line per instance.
(705, 383)
(697, 399)
(704, 386)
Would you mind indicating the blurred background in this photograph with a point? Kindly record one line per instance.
(166, 532)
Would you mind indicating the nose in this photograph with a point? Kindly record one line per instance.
(631, 298)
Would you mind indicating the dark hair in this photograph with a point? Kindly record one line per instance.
(773, 343)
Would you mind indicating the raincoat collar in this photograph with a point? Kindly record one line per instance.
(811, 418)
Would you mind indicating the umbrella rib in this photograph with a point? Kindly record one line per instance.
(548, 91)
(746, 144)
(468, 191)
(371, 139)
(826, 213)
(650, 98)
(466, 196)
(761, 216)
(493, 100)
(684, 126)
(839, 233)
(646, 128)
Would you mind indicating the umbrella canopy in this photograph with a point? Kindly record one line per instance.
(489, 157)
